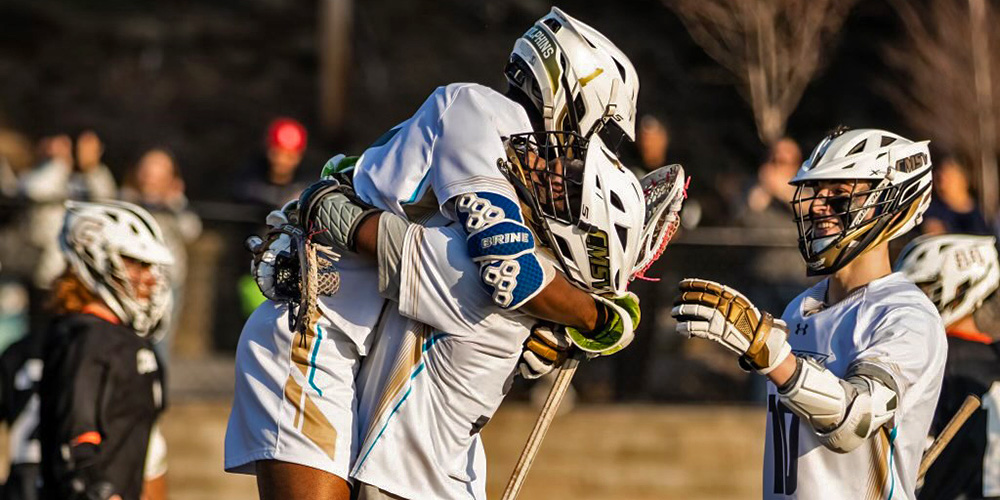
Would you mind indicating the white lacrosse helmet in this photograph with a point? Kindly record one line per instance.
(577, 79)
(587, 207)
(96, 237)
(898, 173)
(956, 271)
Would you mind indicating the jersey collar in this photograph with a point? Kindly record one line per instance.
(980, 337)
(102, 313)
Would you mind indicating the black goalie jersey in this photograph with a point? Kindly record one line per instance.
(101, 392)
(969, 467)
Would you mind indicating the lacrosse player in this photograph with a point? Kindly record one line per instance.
(958, 273)
(101, 388)
(427, 391)
(292, 420)
(855, 363)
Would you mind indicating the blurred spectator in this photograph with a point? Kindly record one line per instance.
(270, 181)
(631, 367)
(16, 158)
(768, 201)
(155, 184)
(653, 142)
(953, 208)
(778, 271)
(57, 179)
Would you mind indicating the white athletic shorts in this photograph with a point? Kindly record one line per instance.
(295, 396)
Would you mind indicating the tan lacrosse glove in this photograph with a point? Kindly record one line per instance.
(713, 311)
(544, 350)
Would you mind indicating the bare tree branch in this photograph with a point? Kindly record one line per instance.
(950, 77)
(773, 47)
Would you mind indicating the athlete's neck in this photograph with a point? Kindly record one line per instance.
(864, 269)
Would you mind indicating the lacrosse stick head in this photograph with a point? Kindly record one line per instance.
(664, 190)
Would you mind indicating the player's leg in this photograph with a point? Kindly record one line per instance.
(278, 480)
(292, 416)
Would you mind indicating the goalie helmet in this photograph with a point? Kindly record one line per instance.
(956, 271)
(858, 188)
(577, 79)
(97, 237)
(586, 206)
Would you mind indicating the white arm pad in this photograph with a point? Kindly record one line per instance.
(843, 413)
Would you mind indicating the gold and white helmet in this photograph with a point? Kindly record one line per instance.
(576, 78)
(96, 237)
(956, 271)
(583, 204)
(889, 179)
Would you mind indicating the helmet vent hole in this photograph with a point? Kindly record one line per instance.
(553, 25)
(858, 148)
(589, 42)
(848, 167)
(886, 140)
(617, 202)
(621, 70)
(581, 109)
(563, 247)
(622, 235)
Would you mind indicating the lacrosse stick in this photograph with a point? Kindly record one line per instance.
(549, 409)
(970, 405)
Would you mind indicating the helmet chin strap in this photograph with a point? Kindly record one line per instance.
(819, 244)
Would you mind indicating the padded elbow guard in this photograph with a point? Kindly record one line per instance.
(843, 413)
(503, 246)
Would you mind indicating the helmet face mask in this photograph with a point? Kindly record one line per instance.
(583, 205)
(857, 190)
(549, 167)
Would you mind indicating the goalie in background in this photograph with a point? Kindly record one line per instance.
(855, 363)
(101, 389)
(959, 273)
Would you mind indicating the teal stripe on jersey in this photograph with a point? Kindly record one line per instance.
(429, 343)
(312, 360)
(892, 451)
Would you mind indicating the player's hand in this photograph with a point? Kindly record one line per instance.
(621, 317)
(545, 350)
(709, 310)
(275, 264)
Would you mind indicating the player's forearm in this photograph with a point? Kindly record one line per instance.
(366, 238)
(562, 303)
(783, 372)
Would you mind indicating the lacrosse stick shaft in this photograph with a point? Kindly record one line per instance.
(970, 405)
(549, 410)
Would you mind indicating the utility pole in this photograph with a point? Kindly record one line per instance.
(335, 22)
(988, 185)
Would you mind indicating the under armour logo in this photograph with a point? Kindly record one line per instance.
(801, 328)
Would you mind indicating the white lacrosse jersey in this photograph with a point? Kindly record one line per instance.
(450, 146)
(891, 323)
(426, 392)
(295, 398)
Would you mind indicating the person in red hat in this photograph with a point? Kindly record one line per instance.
(270, 180)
